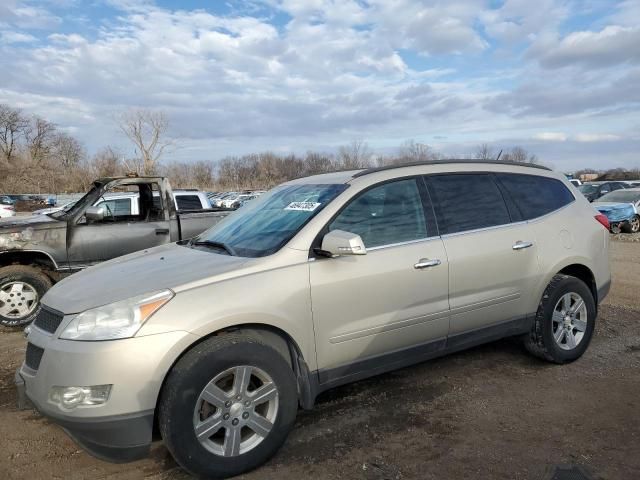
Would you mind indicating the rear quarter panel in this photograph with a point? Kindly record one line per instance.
(570, 236)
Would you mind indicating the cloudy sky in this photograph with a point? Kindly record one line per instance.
(559, 77)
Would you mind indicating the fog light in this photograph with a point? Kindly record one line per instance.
(69, 398)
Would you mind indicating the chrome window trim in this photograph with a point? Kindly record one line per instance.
(401, 244)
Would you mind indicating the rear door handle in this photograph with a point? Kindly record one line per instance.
(162, 231)
(522, 245)
(426, 263)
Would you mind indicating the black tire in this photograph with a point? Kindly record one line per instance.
(540, 341)
(633, 226)
(190, 376)
(31, 276)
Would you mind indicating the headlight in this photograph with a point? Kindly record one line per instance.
(117, 320)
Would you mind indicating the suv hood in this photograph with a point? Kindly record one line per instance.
(168, 266)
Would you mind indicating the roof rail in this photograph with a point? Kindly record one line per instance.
(448, 161)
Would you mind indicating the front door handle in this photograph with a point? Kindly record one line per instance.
(519, 245)
(162, 231)
(426, 263)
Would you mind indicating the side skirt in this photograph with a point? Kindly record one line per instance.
(326, 379)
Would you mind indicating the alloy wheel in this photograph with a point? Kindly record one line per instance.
(569, 321)
(236, 411)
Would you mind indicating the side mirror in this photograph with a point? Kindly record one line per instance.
(94, 214)
(339, 242)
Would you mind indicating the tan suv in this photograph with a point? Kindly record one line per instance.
(322, 281)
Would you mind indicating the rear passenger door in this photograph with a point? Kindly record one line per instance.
(492, 256)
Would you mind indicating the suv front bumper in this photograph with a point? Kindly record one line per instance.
(119, 438)
(121, 429)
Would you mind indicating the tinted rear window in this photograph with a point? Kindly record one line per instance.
(467, 202)
(188, 202)
(535, 196)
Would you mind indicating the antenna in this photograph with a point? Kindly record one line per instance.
(498, 157)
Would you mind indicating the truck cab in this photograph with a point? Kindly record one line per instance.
(117, 216)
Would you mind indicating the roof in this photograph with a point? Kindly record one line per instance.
(447, 162)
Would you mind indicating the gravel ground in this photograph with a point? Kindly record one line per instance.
(491, 412)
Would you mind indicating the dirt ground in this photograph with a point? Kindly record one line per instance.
(492, 412)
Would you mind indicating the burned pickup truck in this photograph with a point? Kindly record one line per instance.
(37, 251)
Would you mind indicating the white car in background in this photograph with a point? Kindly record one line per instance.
(6, 207)
(46, 211)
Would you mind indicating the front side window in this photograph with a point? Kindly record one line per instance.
(467, 202)
(266, 224)
(535, 196)
(383, 215)
(116, 207)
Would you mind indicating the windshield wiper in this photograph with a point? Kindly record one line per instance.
(214, 244)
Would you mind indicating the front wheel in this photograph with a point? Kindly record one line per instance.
(227, 406)
(21, 288)
(564, 322)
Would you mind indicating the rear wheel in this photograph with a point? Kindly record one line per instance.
(227, 406)
(564, 322)
(21, 288)
(633, 226)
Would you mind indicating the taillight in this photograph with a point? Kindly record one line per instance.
(602, 218)
(10, 207)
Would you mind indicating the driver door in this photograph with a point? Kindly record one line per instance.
(389, 307)
(126, 228)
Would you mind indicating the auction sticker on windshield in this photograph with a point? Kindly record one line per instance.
(302, 206)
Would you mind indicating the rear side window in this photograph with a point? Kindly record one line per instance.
(467, 202)
(188, 202)
(535, 196)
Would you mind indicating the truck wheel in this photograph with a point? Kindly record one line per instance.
(632, 226)
(227, 406)
(21, 288)
(564, 322)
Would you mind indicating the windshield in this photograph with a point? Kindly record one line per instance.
(620, 196)
(80, 204)
(265, 225)
(587, 189)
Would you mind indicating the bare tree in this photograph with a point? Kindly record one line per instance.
(412, 151)
(485, 152)
(40, 137)
(69, 152)
(13, 125)
(355, 155)
(147, 129)
(519, 154)
(106, 163)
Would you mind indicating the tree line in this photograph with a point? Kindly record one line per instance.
(38, 156)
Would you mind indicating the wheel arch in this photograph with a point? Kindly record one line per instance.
(280, 340)
(27, 257)
(584, 273)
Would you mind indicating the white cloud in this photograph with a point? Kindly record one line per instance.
(596, 137)
(610, 46)
(551, 136)
(16, 37)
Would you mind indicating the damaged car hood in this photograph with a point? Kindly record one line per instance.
(168, 266)
(30, 232)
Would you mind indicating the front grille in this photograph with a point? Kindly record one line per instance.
(48, 320)
(33, 356)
